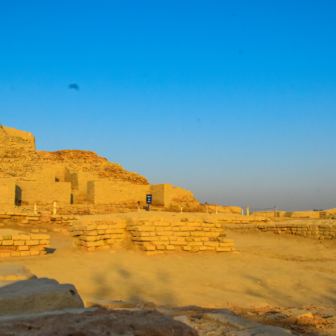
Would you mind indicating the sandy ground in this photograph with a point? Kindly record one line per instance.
(276, 270)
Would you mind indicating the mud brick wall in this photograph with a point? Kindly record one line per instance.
(7, 218)
(7, 192)
(324, 230)
(43, 192)
(21, 244)
(116, 192)
(98, 235)
(195, 236)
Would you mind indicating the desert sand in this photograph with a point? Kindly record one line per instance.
(275, 270)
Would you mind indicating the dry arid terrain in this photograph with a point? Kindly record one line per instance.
(275, 270)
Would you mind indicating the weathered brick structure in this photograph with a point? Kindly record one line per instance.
(28, 176)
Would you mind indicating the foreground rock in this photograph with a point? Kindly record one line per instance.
(234, 321)
(38, 295)
(100, 321)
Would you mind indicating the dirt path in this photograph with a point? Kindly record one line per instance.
(271, 269)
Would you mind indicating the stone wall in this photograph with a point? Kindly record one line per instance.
(8, 218)
(43, 192)
(164, 234)
(116, 192)
(21, 244)
(98, 235)
(153, 235)
(315, 230)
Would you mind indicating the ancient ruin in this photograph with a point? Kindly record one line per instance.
(74, 178)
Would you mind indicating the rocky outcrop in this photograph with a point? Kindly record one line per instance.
(99, 321)
(38, 295)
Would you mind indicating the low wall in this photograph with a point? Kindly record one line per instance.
(195, 236)
(21, 244)
(152, 235)
(98, 235)
(42, 192)
(7, 218)
(326, 230)
(294, 214)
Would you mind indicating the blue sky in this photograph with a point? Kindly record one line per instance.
(233, 100)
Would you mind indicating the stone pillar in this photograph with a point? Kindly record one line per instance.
(55, 208)
(247, 210)
(35, 209)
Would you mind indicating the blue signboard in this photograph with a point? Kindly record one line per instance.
(149, 199)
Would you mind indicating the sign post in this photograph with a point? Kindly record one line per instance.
(149, 200)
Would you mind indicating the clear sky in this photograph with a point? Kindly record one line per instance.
(233, 100)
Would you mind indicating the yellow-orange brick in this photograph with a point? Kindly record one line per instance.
(21, 237)
(4, 254)
(23, 248)
(214, 244)
(32, 242)
(15, 254)
(7, 242)
(19, 242)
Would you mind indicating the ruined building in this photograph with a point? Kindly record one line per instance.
(28, 176)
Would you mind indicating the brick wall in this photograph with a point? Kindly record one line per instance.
(43, 192)
(7, 192)
(116, 192)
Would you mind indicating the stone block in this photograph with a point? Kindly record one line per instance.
(213, 244)
(165, 233)
(178, 243)
(39, 236)
(15, 254)
(195, 244)
(21, 237)
(102, 226)
(223, 249)
(186, 248)
(34, 252)
(226, 244)
(5, 254)
(32, 242)
(182, 234)
(197, 234)
(93, 244)
(88, 238)
(23, 248)
(145, 228)
(7, 242)
(170, 247)
(38, 295)
(19, 242)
